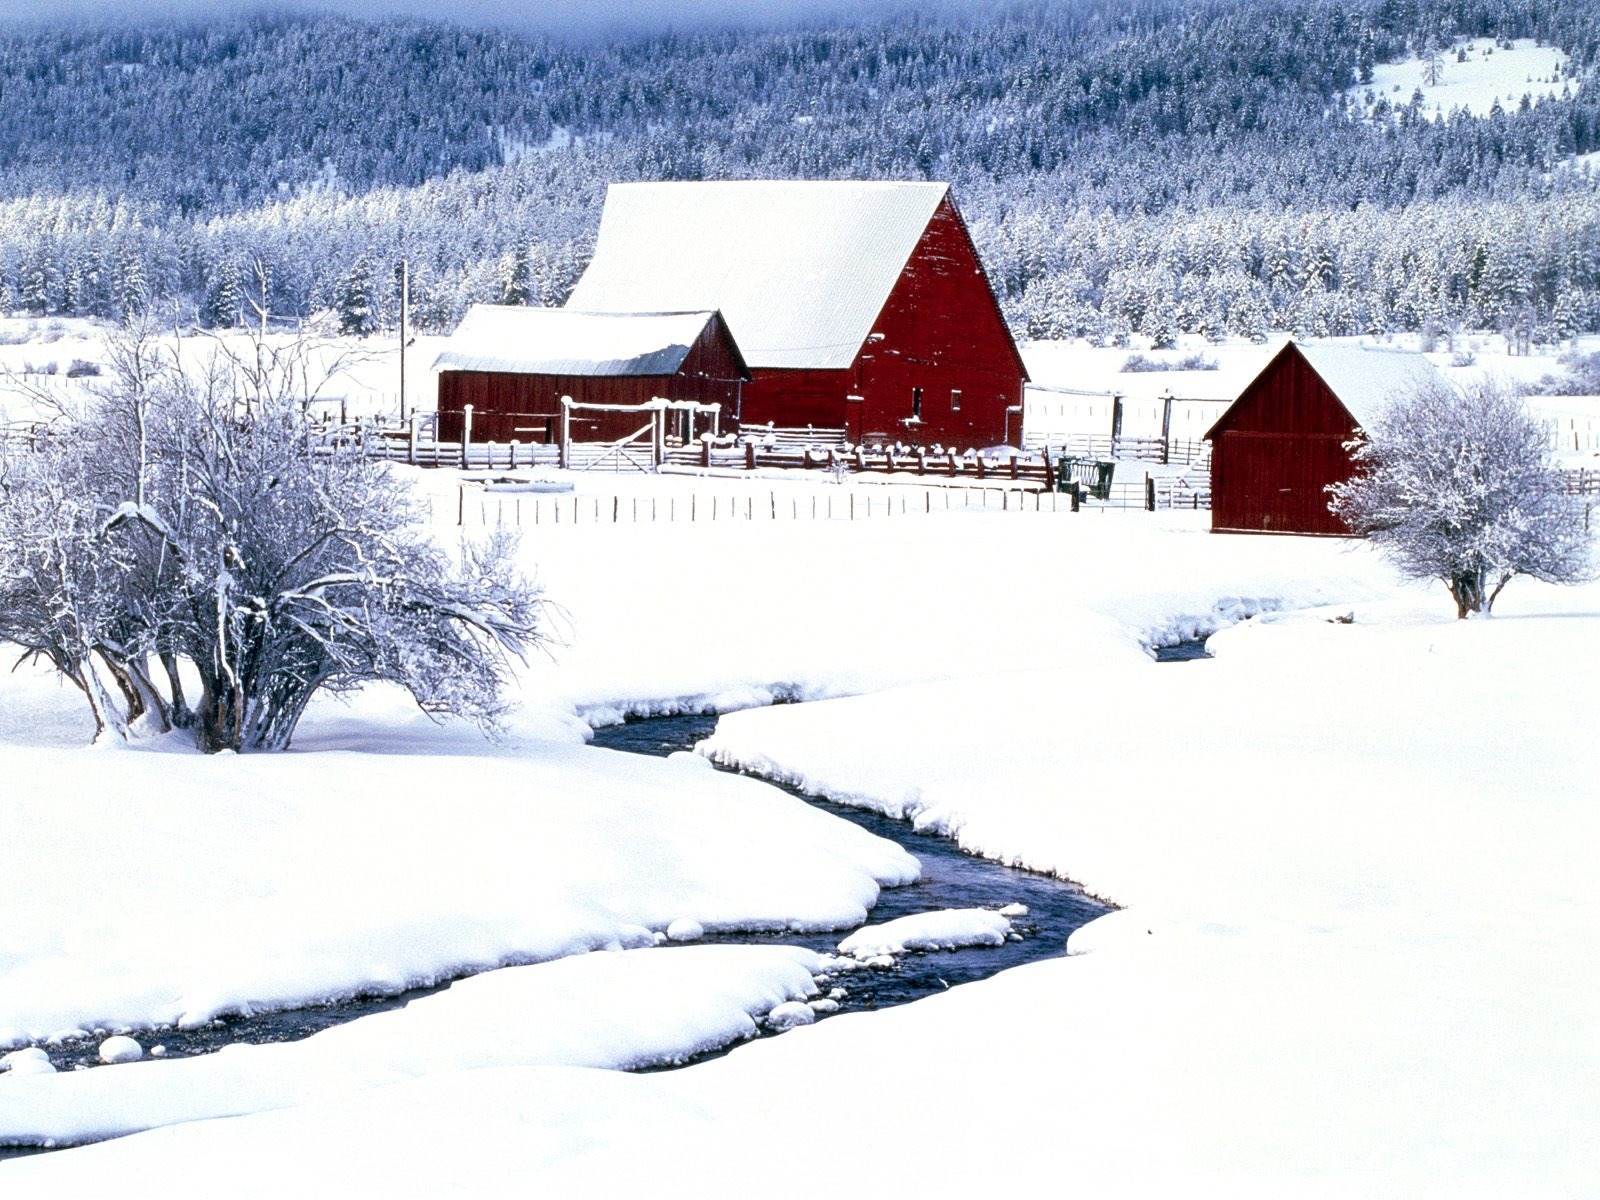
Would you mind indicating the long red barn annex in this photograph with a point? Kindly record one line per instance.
(1275, 450)
(513, 365)
(857, 305)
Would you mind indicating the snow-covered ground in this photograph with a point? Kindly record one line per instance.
(1356, 956)
(44, 360)
(1488, 75)
(628, 1009)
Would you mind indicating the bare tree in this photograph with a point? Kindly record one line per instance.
(1457, 486)
(194, 523)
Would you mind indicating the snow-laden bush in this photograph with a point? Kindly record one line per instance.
(189, 524)
(1457, 486)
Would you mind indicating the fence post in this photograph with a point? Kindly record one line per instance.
(461, 504)
(412, 450)
(564, 459)
(1166, 424)
(1149, 492)
(466, 433)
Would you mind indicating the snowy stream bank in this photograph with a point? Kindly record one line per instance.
(951, 879)
(964, 919)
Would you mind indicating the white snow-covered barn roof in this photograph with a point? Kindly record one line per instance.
(1364, 378)
(799, 269)
(1367, 378)
(564, 341)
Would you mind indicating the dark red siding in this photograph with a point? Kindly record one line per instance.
(1276, 450)
(527, 408)
(943, 334)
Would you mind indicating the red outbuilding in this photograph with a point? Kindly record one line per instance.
(1275, 450)
(514, 365)
(857, 305)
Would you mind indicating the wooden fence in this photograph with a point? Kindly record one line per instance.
(474, 508)
(1582, 482)
(1121, 449)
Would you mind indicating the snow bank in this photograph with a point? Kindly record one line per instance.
(621, 1010)
(144, 889)
(948, 929)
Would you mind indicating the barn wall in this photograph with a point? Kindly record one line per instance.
(793, 398)
(943, 333)
(527, 408)
(1277, 449)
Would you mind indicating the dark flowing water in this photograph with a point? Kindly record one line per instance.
(950, 879)
(1187, 651)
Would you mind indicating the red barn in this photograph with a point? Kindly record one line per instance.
(860, 306)
(513, 365)
(1275, 450)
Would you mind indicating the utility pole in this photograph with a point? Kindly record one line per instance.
(405, 314)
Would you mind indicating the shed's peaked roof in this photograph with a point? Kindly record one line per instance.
(564, 341)
(1364, 378)
(1367, 378)
(800, 270)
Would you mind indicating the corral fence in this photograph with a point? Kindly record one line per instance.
(1582, 482)
(1187, 451)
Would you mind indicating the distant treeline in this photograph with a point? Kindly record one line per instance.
(1149, 165)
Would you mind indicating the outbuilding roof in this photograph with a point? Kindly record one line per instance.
(1365, 379)
(799, 269)
(565, 341)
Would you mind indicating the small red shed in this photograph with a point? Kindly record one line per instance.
(858, 305)
(1275, 450)
(513, 365)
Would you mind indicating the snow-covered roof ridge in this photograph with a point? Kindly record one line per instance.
(800, 269)
(1367, 378)
(566, 341)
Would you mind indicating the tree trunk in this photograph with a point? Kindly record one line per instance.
(220, 718)
(1471, 592)
(182, 718)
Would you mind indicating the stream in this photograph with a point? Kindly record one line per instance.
(950, 879)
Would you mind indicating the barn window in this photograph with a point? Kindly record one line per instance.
(916, 404)
(955, 399)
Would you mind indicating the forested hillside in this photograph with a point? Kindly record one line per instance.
(1149, 166)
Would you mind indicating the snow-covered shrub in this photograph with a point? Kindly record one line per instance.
(189, 519)
(1456, 486)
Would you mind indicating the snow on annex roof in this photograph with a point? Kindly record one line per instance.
(800, 269)
(563, 341)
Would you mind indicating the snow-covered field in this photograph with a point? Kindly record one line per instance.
(1489, 75)
(1356, 958)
